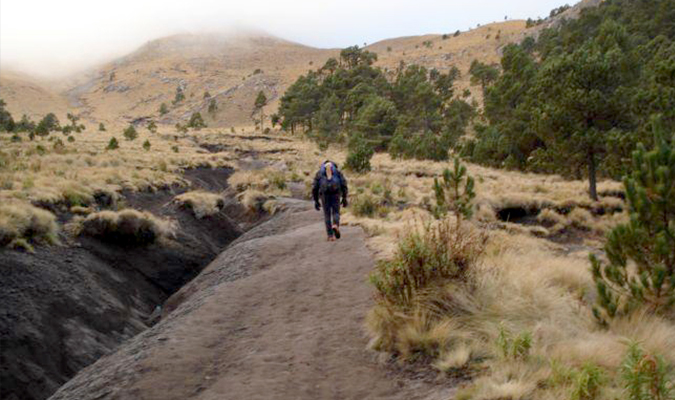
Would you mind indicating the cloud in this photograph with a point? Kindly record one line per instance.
(57, 37)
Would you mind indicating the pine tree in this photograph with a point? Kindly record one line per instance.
(130, 133)
(113, 144)
(360, 153)
(647, 241)
(259, 106)
(455, 192)
(163, 109)
(196, 121)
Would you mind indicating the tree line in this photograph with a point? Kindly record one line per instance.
(412, 113)
(579, 99)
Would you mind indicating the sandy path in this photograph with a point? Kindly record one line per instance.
(279, 315)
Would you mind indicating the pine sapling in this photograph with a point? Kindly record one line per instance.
(454, 193)
(641, 253)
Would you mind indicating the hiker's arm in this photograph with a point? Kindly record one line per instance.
(315, 189)
(343, 186)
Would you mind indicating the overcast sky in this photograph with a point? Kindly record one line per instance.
(53, 37)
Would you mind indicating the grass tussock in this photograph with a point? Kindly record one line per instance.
(516, 323)
(202, 204)
(126, 227)
(22, 224)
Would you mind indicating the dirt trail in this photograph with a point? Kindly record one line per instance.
(278, 315)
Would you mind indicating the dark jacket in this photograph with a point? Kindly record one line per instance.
(318, 188)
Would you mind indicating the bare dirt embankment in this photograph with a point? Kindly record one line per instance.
(278, 315)
(63, 307)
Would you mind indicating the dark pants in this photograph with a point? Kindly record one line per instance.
(331, 209)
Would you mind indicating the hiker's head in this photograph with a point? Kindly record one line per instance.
(328, 166)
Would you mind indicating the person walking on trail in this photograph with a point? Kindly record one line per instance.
(329, 186)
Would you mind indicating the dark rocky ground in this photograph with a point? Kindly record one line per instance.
(63, 307)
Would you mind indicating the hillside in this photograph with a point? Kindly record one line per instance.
(234, 68)
(30, 96)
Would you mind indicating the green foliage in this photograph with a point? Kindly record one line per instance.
(360, 153)
(101, 127)
(578, 100)
(517, 347)
(454, 193)
(438, 254)
(6, 121)
(146, 145)
(483, 74)
(47, 124)
(113, 144)
(179, 97)
(152, 126)
(213, 106)
(130, 133)
(352, 96)
(644, 376)
(163, 109)
(25, 125)
(587, 382)
(259, 107)
(196, 121)
(74, 126)
(646, 241)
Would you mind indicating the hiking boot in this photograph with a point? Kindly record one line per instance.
(336, 231)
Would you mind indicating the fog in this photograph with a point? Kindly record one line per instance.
(54, 38)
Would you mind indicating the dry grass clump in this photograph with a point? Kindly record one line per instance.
(201, 203)
(22, 223)
(126, 227)
(517, 323)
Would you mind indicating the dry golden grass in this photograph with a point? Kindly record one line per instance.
(201, 203)
(127, 226)
(20, 222)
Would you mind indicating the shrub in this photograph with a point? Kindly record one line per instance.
(59, 146)
(358, 159)
(152, 126)
(196, 121)
(439, 253)
(146, 145)
(101, 127)
(587, 382)
(163, 109)
(645, 377)
(180, 96)
(24, 221)
(647, 240)
(126, 227)
(130, 133)
(113, 144)
(365, 205)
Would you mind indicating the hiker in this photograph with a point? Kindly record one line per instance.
(329, 185)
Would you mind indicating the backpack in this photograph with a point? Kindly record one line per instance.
(332, 185)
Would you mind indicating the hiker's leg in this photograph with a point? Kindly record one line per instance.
(327, 216)
(336, 212)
